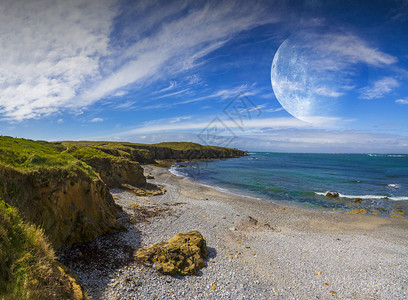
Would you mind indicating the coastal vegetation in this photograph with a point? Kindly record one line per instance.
(28, 268)
(57, 194)
(63, 187)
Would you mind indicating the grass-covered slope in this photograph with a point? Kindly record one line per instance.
(53, 189)
(64, 187)
(28, 268)
(115, 171)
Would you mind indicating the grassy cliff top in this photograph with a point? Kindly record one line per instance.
(172, 145)
(29, 155)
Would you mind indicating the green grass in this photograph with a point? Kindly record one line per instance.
(28, 155)
(82, 152)
(28, 268)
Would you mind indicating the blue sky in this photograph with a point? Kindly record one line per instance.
(152, 71)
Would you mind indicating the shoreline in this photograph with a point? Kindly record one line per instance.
(373, 211)
(257, 249)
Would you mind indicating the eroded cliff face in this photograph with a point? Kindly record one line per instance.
(69, 204)
(146, 154)
(117, 172)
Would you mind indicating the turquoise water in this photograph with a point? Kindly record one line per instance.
(378, 182)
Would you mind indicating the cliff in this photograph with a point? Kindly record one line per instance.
(52, 189)
(61, 192)
(145, 154)
(64, 187)
(28, 268)
(114, 170)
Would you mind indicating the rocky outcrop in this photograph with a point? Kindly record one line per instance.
(332, 194)
(183, 254)
(163, 152)
(67, 203)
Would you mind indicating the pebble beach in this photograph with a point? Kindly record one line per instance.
(257, 249)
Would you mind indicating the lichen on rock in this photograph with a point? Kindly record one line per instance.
(184, 254)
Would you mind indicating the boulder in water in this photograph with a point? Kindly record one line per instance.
(332, 194)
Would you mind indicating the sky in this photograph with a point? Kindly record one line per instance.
(279, 76)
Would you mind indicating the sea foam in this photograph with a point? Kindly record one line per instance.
(369, 197)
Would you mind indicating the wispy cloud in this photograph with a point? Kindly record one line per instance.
(225, 94)
(63, 55)
(124, 105)
(338, 50)
(379, 88)
(120, 93)
(178, 119)
(172, 94)
(251, 125)
(172, 85)
(325, 91)
(52, 49)
(96, 120)
(177, 45)
(402, 101)
(271, 110)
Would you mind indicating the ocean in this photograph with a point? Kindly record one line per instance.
(367, 183)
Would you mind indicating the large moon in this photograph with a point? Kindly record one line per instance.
(315, 74)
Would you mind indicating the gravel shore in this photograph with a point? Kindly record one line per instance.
(257, 249)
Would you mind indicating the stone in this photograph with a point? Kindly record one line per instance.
(332, 194)
(184, 254)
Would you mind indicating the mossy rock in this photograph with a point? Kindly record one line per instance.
(184, 254)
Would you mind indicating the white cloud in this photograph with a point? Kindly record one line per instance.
(336, 51)
(271, 110)
(177, 46)
(120, 93)
(178, 119)
(60, 121)
(379, 88)
(250, 125)
(95, 120)
(63, 56)
(172, 84)
(402, 101)
(47, 51)
(172, 94)
(124, 105)
(225, 94)
(357, 50)
(325, 91)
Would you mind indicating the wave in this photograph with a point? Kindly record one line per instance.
(393, 185)
(173, 170)
(369, 197)
(388, 155)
